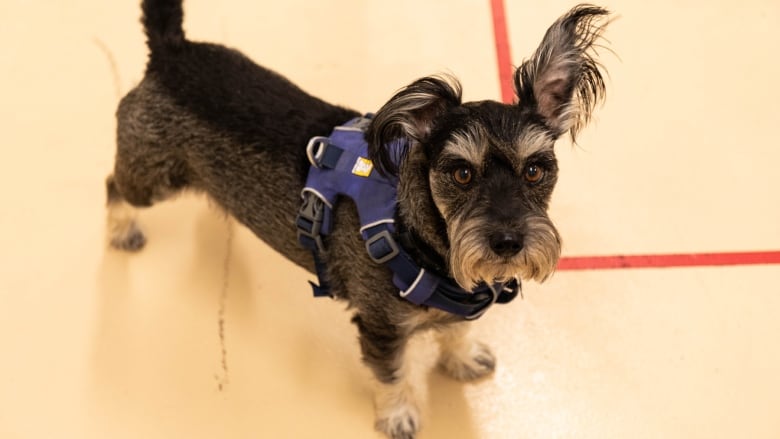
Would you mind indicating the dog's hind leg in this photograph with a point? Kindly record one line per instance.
(139, 182)
(142, 177)
(148, 168)
(122, 224)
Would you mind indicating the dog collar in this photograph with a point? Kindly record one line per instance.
(340, 167)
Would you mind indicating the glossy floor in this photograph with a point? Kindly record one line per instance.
(209, 334)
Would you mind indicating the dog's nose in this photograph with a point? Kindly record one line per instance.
(506, 243)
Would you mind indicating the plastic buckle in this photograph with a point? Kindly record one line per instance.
(309, 221)
(509, 291)
(382, 247)
(494, 298)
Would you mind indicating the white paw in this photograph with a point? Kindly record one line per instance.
(132, 239)
(123, 231)
(401, 421)
(469, 362)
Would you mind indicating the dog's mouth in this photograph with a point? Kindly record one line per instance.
(492, 271)
(473, 259)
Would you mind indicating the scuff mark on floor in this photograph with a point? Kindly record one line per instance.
(112, 64)
(222, 376)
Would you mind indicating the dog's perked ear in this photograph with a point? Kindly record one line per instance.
(411, 114)
(562, 82)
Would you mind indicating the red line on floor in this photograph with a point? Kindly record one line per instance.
(502, 50)
(669, 260)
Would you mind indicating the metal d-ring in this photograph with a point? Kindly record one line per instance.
(316, 149)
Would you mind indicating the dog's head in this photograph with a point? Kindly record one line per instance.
(476, 180)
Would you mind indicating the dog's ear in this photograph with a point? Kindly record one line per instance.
(411, 114)
(562, 82)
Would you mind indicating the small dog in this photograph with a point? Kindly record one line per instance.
(474, 182)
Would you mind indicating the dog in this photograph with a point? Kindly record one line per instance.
(473, 180)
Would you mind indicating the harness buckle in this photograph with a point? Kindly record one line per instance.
(309, 222)
(510, 291)
(494, 295)
(382, 247)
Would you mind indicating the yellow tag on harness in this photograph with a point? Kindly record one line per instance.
(362, 167)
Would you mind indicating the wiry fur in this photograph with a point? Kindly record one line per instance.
(562, 80)
(207, 118)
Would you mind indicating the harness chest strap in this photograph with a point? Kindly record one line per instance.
(340, 167)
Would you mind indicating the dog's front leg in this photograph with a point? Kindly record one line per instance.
(383, 346)
(462, 357)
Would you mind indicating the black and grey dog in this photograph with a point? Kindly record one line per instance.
(473, 184)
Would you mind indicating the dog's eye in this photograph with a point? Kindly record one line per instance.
(462, 175)
(533, 173)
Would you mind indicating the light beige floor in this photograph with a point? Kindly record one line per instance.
(683, 158)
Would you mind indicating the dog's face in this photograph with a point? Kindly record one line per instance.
(478, 176)
(491, 179)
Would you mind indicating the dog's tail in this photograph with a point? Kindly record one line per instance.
(162, 20)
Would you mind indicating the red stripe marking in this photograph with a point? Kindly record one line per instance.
(502, 50)
(670, 260)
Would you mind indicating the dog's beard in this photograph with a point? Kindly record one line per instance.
(472, 261)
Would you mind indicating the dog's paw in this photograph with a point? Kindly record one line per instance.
(397, 411)
(132, 240)
(399, 422)
(470, 362)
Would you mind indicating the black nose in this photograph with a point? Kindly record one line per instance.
(506, 243)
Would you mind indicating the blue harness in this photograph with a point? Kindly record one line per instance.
(340, 167)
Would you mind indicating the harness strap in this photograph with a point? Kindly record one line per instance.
(423, 287)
